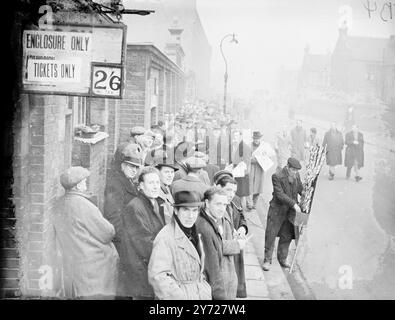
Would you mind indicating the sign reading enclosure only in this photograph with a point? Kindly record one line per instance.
(64, 60)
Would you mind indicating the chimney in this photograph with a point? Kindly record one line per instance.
(173, 48)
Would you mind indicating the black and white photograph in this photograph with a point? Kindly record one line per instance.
(198, 150)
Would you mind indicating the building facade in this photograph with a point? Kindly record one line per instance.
(154, 86)
(357, 64)
(44, 142)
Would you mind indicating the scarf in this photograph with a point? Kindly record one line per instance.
(190, 233)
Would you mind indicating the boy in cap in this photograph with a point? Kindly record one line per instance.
(286, 188)
(90, 260)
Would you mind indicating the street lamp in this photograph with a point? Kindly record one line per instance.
(226, 66)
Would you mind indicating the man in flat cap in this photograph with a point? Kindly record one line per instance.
(286, 188)
(121, 186)
(90, 260)
(135, 132)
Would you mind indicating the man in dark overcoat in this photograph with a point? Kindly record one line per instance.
(120, 186)
(354, 157)
(142, 218)
(333, 140)
(224, 180)
(286, 187)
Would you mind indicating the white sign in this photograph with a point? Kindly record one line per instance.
(263, 155)
(54, 71)
(107, 80)
(60, 60)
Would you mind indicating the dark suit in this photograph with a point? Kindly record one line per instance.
(285, 196)
(141, 225)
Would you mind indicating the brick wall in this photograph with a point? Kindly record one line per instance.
(38, 161)
(132, 106)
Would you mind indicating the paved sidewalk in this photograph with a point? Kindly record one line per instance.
(262, 285)
(255, 280)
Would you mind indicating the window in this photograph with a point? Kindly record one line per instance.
(80, 106)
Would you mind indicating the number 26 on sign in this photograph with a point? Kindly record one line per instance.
(107, 81)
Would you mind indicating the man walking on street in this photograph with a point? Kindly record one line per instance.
(354, 157)
(333, 140)
(286, 188)
(299, 141)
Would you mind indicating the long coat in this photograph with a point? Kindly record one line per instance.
(298, 140)
(256, 175)
(243, 153)
(118, 193)
(141, 225)
(213, 248)
(90, 260)
(285, 195)
(354, 152)
(176, 268)
(333, 140)
(235, 210)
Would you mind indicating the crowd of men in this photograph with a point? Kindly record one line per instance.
(173, 223)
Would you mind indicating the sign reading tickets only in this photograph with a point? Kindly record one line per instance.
(62, 61)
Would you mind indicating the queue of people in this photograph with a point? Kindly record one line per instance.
(173, 224)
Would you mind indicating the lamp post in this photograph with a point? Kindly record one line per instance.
(226, 90)
(226, 66)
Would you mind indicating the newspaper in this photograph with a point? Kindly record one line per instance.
(263, 156)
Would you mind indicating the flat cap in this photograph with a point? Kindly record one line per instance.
(138, 130)
(149, 133)
(132, 154)
(220, 174)
(294, 163)
(72, 176)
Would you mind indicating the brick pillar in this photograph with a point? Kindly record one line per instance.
(36, 192)
(168, 92)
(162, 93)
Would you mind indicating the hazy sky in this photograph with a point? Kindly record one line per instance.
(273, 33)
